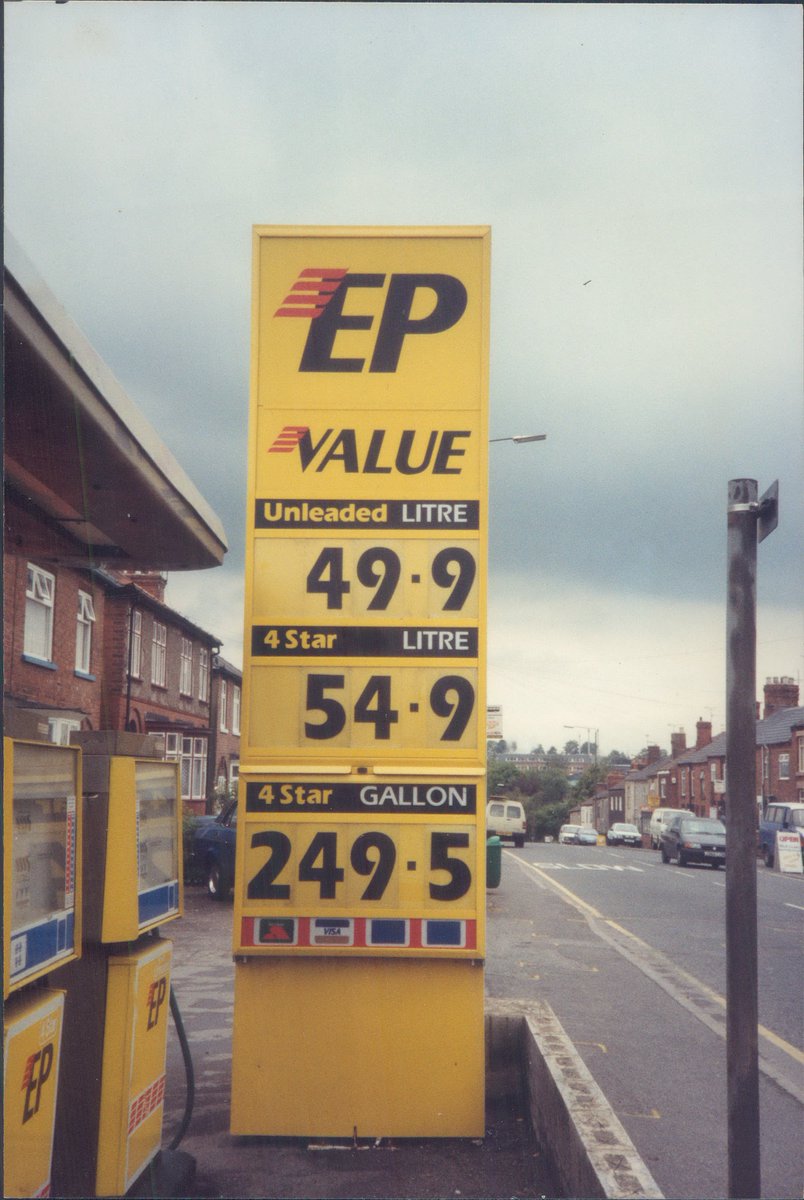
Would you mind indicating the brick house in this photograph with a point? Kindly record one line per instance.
(91, 494)
(780, 744)
(157, 677)
(52, 633)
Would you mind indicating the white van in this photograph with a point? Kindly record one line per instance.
(506, 819)
(660, 818)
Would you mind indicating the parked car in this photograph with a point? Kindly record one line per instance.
(694, 839)
(623, 834)
(789, 817)
(659, 820)
(214, 852)
(586, 836)
(568, 833)
(506, 819)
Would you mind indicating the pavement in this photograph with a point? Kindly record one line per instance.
(507, 1162)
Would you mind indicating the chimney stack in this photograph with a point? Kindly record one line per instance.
(780, 692)
(678, 743)
(654, 754)
(703, 733)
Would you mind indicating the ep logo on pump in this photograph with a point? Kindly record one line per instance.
(319, 294)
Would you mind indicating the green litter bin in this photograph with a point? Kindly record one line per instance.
(493, 862)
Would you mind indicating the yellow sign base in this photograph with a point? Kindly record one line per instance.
(360, 1048)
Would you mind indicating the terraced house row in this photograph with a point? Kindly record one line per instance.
(694, 777)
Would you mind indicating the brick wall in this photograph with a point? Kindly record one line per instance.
(56, 685)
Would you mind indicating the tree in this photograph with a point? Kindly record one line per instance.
(502, 777)
(547, 819)
(571, 747)
(587, 783)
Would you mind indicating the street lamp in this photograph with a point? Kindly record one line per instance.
(522, 437)
(588, 728)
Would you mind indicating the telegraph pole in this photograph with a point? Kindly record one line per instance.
(749, 520)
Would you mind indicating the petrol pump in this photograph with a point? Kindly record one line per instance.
(41, 932)
(115, 1037)
(359, 906)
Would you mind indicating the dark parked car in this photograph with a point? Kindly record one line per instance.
(622, 834)
(691, 839)
(214, 852)
(586, 836)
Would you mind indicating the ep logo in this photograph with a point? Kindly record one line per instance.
(319, 294)
(156, 998)
(35, 1076)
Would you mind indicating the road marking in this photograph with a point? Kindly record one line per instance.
(603, 1049)
(707, 1005)
(787, 904)
(556, 866)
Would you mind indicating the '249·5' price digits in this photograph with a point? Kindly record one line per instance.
(356, 864)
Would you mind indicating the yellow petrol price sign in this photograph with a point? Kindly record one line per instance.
(361, 832)
(365, 590)
(367, 499)
(341, 866)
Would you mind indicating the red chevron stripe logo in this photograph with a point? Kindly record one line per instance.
(288, 439)
(312, 292)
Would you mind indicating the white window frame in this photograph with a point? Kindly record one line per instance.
(83, 633)
(135, 650)
(60, 728)
(159, 655)
(191, 755)
(235, 709)
(783, 761)
(222, 726)
(40, 599)
(203, 674)
(186, 667)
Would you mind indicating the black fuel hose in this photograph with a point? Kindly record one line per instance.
(188, 1068)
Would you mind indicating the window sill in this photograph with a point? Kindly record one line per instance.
(39, 662)
(85, 675)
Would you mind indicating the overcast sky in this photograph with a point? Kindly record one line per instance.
(640, 168)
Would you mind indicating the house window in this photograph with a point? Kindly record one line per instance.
(39, 593)
(801, 756)
(203, 674)
(159, 655)
(186, 667)
(199, 776)
(83, 633)
(191, 755)
(683, 785)
(784, 766)
(135, 658)
(60, 728)
(235, 710)
(713, 771)
(222, 706)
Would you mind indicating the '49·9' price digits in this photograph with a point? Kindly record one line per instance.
(451, 697)
(379, 568)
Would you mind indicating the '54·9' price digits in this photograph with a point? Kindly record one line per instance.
(451, 697)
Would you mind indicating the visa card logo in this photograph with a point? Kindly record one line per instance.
(330, 931)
